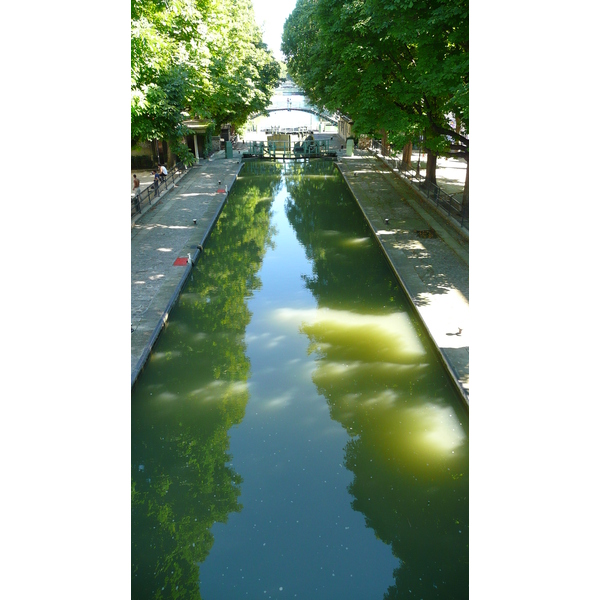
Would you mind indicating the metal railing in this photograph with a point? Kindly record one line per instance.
(333, 118)
(301, 130)
(155, 189)
(433, 192)
(283, 149)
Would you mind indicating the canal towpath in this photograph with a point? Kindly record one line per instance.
(427, 251)
(163, 238)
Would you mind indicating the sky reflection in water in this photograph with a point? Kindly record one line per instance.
(298, 436)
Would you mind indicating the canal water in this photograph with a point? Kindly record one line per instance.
(294, 434)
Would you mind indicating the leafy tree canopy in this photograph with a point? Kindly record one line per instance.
(202, 58)
(399, 65)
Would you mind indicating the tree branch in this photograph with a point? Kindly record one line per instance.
(450, 132)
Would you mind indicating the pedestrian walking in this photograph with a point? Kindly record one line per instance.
(136, 192)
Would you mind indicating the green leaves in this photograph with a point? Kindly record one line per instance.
(202, 57)
(399, 65)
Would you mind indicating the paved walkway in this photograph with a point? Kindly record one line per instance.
(433, 270)
(450, 173)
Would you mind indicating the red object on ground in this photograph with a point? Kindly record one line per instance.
(180, 262)
(220, 191)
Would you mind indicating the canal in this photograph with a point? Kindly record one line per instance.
(294, 434)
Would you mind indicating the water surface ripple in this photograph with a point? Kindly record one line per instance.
(294, 434)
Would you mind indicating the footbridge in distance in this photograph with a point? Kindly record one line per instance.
(307, 109)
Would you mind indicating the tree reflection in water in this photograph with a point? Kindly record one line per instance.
(408, 431)
(189, 397)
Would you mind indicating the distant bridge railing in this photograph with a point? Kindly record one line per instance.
(323, 115)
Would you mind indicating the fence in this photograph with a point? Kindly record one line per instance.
(154, 190)
(433, 192)
(282, 149)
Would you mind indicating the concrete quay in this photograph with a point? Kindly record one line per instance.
(426, 250)
(164, 233)
(434, 271)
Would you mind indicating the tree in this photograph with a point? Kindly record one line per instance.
(202, 58)
(401, 66)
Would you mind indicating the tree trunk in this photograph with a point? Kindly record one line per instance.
(384, 144)
(465, 198)
(431, 166)
(169, 159)
(156, 152)
(407, 155)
